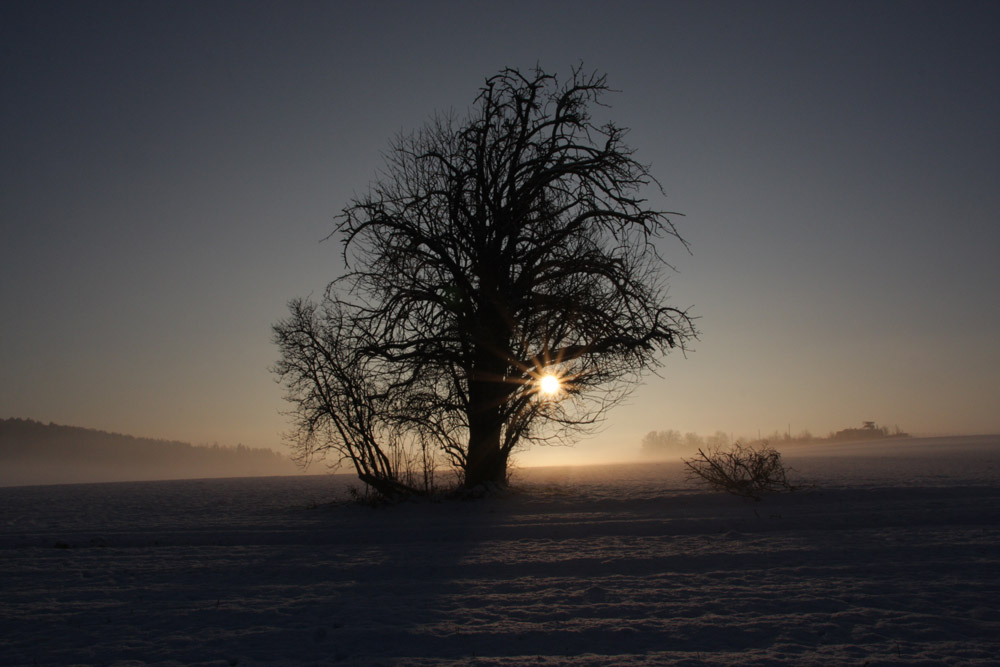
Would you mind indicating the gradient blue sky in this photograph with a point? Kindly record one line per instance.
(169, 168)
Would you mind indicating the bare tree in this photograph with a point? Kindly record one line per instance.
(341, 402)
(493, 251)
(747, 470)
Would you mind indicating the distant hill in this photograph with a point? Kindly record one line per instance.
(35, 453)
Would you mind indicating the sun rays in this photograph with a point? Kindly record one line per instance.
(549, 385)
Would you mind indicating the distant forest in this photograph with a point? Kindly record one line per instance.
(667, 443)
(35, 453)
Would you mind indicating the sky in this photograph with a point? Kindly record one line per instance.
(169, 171)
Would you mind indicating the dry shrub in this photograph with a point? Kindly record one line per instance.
(747, 470)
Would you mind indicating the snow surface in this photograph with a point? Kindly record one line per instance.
(893, 558)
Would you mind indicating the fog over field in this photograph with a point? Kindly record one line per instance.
(893, 557)
(33, 453)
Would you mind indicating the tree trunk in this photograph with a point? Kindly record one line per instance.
(485, 463)
(488, 390)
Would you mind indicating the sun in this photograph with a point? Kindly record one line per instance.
(549, 385)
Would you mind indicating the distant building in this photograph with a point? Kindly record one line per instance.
(868, 431)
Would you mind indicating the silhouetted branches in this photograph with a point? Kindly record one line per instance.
(750, 471)
(494, 249)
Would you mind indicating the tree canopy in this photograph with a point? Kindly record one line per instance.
(494, 250)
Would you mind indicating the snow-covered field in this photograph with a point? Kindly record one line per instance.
(894, 558)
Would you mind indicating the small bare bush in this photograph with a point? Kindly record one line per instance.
(746, 470)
